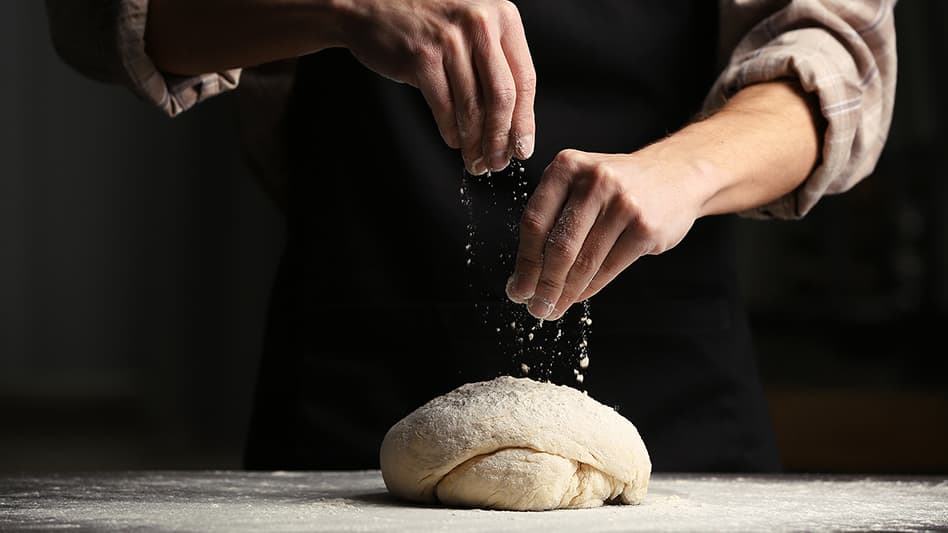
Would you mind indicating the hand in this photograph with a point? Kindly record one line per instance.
(592, 216)
(471, 62)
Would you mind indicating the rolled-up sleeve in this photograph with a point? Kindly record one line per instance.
(842, 51)
(105, 40)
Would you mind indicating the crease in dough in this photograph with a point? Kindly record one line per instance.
(515, 444)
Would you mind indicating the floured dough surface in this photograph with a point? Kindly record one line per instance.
(517, 444)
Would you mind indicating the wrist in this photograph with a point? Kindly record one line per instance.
(699, 178)
(761, 146)
(322, 23)
(345, 18)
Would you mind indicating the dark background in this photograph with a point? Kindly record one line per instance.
(136, 255)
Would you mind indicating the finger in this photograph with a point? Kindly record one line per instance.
(468, 108)
(433, 84)
(522, 124)
(499, 94)
(562, 246)
(628, 249)
(601, 240)
(537, 220)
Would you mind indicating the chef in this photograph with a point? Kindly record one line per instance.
(454, 171)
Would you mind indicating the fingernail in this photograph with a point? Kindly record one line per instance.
(524, 147)
(515, 298)
(478, 167)
(499, 161)
(540, 308)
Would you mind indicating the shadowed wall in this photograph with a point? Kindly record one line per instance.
(136, 256)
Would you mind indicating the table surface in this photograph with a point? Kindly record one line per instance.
(358, 501)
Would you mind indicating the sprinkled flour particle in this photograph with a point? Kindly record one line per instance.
(584, 362)
(497, 204)
(579, 378)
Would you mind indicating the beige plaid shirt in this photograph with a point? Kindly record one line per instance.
(841, 50)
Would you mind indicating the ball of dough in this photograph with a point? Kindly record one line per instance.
(517, 444)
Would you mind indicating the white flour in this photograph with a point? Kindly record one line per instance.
(357, 501)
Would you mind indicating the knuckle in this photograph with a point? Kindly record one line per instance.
(564, 156)
(567, 159)
(557, 175)
(528, 263)
(502, 97)
(586, 187)
(593, 288)
(509, 11)
(452, 40)
(602, 173)
(560, 247)
(547, 285)
(427, 58)
(448, 36)
(600, 180)
(468, 109)
(478, 19)
(644, 227)
(627, 206)
(527, 83)
(583, 265)
(495, 141)
(495, 134)
(648, 231)
(532, 222)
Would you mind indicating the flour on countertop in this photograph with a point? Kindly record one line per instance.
(236, 502)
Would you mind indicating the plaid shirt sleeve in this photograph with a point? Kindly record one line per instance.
(844, 52)
(105, 40)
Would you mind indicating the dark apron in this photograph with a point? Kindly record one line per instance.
(376, 309)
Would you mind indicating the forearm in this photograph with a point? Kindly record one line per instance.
(188, 37)
(593, 215)
(760, 146)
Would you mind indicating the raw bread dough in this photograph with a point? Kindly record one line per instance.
(518, 444)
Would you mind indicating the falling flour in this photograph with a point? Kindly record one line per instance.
(534, 346)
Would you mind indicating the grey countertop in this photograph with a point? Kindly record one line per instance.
(357, 501)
